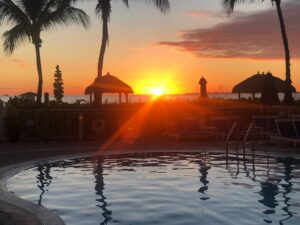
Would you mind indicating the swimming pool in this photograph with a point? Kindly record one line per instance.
(166, 188)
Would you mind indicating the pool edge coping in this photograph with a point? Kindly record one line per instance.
(43, 215)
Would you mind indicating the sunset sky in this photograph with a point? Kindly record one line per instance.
(170, 51)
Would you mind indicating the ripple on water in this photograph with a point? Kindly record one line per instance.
(167, 189)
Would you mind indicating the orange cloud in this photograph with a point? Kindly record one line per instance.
(20, 62)
(255, 36)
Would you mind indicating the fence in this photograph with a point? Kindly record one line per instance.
(70, 124)
(73, 124)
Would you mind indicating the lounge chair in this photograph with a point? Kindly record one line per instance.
(173, 129)
(260, 123)
(296, 123)
(272, 129)
(233, 119)
(236, 135)
(189, 129)
(191, 125)
(224, 124)
(221, 125)
(296, 117)
(286, 132)
(266, 125)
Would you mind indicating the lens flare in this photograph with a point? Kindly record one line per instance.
(157, 92)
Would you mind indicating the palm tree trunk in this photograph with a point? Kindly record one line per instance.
(98, 94)
(103, 46)
(40, 73)
(288, 97)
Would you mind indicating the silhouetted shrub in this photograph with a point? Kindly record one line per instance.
(58, 88)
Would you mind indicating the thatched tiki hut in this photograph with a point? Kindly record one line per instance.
(108, 84)
(255, 83)
(28, 96)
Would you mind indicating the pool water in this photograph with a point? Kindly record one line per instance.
(167, 188)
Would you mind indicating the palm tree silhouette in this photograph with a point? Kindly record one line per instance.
(288, 97)
(30, 18)
(103, 9)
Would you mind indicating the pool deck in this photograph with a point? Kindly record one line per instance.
(18, 157)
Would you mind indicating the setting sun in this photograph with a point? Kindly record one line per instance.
(158, 91)
(137, 102)
(157, 83)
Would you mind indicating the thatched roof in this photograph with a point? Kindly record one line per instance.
(28, 94)
(254, 84)
(109, 84)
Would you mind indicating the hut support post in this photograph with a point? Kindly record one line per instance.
(120, 98)
(126, 98)
(100, 98)
(239, 96)
(253, 96)
(91, 98)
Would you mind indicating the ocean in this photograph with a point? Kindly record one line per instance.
(146, 98)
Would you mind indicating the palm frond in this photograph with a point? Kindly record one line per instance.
(48, 7)
(230, 4)
(64, 15)
(163, 5)
(14, 37)
(33, 8)
(11, 13)
(126, 2)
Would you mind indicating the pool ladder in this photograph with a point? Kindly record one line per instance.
(245, 142)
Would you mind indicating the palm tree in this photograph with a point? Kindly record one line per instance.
(288, 97)
(30, 18)
(103, 9)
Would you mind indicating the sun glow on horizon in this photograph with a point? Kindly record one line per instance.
(157, 91)
(157, 83)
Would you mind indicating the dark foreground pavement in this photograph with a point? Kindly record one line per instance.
(13, 215)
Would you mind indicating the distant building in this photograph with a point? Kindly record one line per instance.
(29, 96)
(203, 91)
